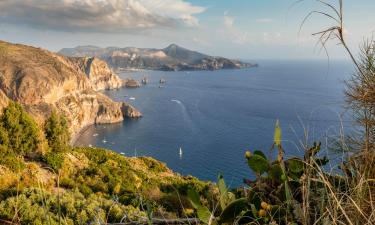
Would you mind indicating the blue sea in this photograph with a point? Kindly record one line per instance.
(215, 116)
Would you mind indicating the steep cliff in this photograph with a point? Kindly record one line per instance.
(98, 72)
(42, 80)
(3, 100)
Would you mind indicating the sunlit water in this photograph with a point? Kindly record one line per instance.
(215, 116)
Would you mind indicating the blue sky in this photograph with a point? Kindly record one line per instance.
(247, 29)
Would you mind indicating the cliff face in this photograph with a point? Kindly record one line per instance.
(3, 100)
(98, 72)
(41, 81)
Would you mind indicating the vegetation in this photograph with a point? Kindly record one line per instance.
(65, 185)
(18, 132)
(44, 181)
(57, 133)
(299, 190)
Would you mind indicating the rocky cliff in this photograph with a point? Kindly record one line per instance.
(172, 57)
(41, 81)
(98, 72)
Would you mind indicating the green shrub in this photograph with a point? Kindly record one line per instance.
(18, 131)
(54, 159)
(57, 132)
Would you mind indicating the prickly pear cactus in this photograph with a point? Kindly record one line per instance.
(272, 198)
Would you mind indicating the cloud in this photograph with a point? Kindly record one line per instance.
(264, 20)
(228, 21)
(235, 34)
(99, 15)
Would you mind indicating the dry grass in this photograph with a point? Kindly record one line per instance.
(353, 200)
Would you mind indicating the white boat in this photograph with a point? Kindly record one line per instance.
(132, 98)
(104, 141)
(180, 151)
(94, 135)
(122, 153)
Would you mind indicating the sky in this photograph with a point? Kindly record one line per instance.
(241, 29)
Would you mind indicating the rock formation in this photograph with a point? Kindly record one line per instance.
(130, 111)
(41, 81)
(131, 83)
(98, 72)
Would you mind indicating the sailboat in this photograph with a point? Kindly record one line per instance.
(180, 151)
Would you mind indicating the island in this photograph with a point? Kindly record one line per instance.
(171, 58)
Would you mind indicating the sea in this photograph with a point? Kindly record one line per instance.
(200, 123)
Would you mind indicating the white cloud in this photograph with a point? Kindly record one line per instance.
(228, 21)
(99, 15)
(233, 33)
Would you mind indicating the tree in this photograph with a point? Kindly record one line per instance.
(18, 131)
(57, 132)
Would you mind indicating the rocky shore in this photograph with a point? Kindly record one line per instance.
(43, 81)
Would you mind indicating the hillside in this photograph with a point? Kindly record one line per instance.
(171, 58)
(43, 180)
(42, 81)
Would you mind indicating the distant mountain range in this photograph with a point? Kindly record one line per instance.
(171, 58)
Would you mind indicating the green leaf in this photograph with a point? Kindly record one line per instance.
(275, 172)
(295, 165)
(233, 210)
(194, 199)
(258, 164)
(260, 153)
(204, 214)
(225, 196)
(254, 210)
(222, 190)
(277, 135)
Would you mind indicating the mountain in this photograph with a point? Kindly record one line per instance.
(43, 81)
(171, 58)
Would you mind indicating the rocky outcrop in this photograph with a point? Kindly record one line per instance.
(171, 58)
(131, 83)
(41, 81)
(98, 72)
(129, 111)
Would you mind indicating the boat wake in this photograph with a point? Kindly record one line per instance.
(185, 113)
(178, 101)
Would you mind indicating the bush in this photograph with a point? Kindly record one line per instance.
(18, 131)
(57, 133)
(54, 159)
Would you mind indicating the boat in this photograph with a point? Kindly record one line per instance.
(180, 151)
(162, 81)
(94, 135)
(104, 141)
(132, 98)
(122, 153)
(144, 80)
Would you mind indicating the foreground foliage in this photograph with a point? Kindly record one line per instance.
(65, 185)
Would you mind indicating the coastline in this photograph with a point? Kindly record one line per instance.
(77, 135)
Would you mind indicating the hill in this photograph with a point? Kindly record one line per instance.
(42, 81)
(171, 58)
